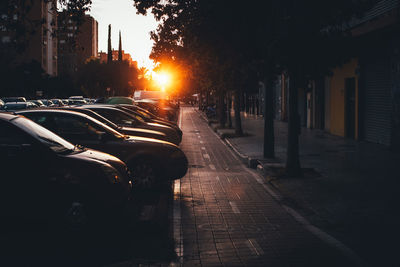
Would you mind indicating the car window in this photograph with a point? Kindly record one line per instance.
(46, 137)
(41, 118)
(11, 135)
(77, 127)
(116, 116)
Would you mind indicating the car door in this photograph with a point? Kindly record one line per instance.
(23, 182)
(83, 131)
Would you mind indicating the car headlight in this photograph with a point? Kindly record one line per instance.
(111, 173)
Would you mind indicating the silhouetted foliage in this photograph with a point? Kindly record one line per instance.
(225, 42)
(109, 47)
(95, 77)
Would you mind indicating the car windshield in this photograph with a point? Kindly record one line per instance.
(48, 138)
(108, 128)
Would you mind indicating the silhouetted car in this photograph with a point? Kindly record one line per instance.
(120, 100)
(76, 102)
(148, 117)
(124, 130)
(123, 118)
(57, 102)
(150, 160)
(13, 99)
(47, 179)
(14, 106)
(38, 103)
(47, 103)
(161, 107)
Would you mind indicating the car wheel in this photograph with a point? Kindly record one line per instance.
(145, 174)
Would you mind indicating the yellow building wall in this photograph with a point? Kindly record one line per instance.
(337, 97)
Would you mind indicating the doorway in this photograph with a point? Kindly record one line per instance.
(350, 107)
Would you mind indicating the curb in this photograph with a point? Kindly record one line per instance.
(250, 162)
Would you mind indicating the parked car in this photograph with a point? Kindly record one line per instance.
(57, 102)
(13, 99)
(124, 119)
(13, 106)
(161, 107)
(47, 103)
(148, 117)
(38, 103)
(124, 130)
(120, 100)
(47, 179)
(151, 161)
(76, 100)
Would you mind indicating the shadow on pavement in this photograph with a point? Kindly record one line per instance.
(143, 241)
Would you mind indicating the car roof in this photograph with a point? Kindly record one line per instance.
(6, 116)
(16, 103)
(47, 110)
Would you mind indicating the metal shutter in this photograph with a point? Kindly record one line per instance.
(378, 107)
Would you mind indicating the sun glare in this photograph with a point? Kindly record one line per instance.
(163, 79)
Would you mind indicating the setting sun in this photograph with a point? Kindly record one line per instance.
(162, 79)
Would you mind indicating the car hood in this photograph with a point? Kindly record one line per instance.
(94, 155)
(159, 125)
(139, 139)
(141, 130)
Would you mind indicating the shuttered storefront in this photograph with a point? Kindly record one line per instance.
(377, 96)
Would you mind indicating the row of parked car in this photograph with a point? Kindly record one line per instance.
(18, 103)
(83, 163)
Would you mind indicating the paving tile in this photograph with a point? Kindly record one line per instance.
(262, 234)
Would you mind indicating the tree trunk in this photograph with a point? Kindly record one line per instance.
(269, 138)
(292, 162)
(221, 109)
(238, 121)
(229, 107)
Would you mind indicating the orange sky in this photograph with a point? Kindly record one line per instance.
(134, 28)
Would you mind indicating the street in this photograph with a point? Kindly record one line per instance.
(222, 214)
(228, 216)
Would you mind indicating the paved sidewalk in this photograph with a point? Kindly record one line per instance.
(351, 188)
(228, 216)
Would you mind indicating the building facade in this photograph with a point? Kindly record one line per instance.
(76, 45)
(41, 43)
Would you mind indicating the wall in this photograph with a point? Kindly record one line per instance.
(337, 97)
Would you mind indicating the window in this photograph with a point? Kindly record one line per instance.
(77, 127)
(116, 116)
(10, 135)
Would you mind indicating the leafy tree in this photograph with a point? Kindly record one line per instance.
(225, 42)
(95, 77)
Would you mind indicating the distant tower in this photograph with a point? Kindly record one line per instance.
(120, 48)
(109, 53)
